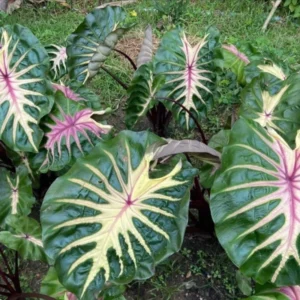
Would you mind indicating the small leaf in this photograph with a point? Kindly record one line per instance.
(52, 287)
(58, 60)
(16, 193)
(244, 283)
(24, 236)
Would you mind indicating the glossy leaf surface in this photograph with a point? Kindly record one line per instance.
(110, 219)
(188, 75)
(255, 204)
(16, 193)
(279, 110)
(72, 132)
(24, 236)
(24, 92)
(142, 91)
(93, 40)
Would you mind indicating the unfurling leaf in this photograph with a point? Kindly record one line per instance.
(71, 132)
(93, 41)
(114, 219)
(16, 193)
(255, 204)
(235, 61)
(24, 93)
(146, 52)
(188, 75)
(24, 236)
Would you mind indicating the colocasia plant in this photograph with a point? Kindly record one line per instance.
(114, 205)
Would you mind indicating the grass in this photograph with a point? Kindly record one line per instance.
(239, 22)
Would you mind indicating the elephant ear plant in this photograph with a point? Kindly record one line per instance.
(114, 205)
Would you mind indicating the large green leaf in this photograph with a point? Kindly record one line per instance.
(188, 72)
(24, 92)
(111, 219)
(270, 296)
(16, 193)
(93, 40)
(142, 92)
(24, 236)
(72, 132)
(279, 110)
(255, 204)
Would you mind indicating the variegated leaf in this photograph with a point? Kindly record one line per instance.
(93, 41)
(16, 193)
(284, 293)
(280, 111)
(235, 61)
(111, 219)
(71, 132)
(58, 60)
(142, 91)
(255, 204)
(24, 93)
(146, 52)
(24, 236)
(188, 75)
(76, 91)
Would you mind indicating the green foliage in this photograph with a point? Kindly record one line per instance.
(294, 7)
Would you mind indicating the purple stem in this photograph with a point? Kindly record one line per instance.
(128, 57)
(190, 114)
(119, 81)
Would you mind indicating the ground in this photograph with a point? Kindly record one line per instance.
(201, 270)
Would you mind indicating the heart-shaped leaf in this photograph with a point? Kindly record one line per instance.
(24, 93)
(280, 111)
(16, 193)
(24, 236)
(72, 132)
(255, 204)
(188, 75)
(93, 41)
(111, 219)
